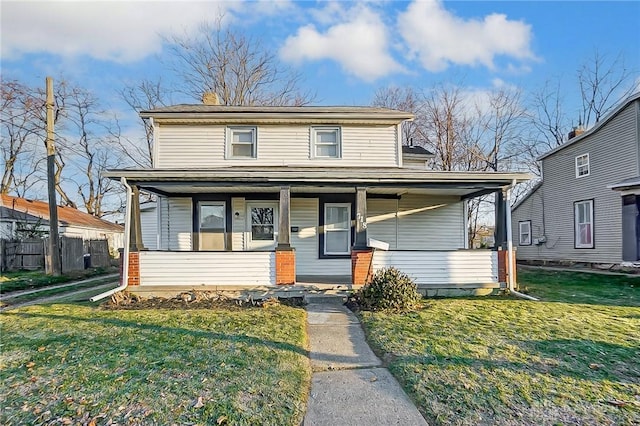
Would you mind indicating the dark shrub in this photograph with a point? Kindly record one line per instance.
(390, 289)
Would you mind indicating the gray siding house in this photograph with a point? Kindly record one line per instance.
(576, 212)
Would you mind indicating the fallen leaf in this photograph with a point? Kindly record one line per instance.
(617, 403)
(199, 403)
(92, 422)
(30, 364)
(221, 420)
(41, 349)
(373, 379)
(595, 366)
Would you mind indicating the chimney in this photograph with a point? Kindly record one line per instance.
(576, 131)
(210, 98)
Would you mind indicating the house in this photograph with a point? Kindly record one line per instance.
(265, 196)
(21, 217)
(576, 213)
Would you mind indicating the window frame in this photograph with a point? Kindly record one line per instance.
(254, 143)
(347, 229)
(520, 224)
(315, 144)
(587, 165)
(576, 225)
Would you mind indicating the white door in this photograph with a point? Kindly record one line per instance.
(262, 225)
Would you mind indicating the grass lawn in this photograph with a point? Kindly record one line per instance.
(573, 358)
(24, 280)
(68, 364)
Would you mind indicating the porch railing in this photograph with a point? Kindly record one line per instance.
(179, 268)
(458, 268)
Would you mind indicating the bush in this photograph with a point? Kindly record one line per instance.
(390, 289)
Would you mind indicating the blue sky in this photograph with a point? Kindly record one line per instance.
(345, 50)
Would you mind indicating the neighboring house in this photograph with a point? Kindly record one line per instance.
(573, 214)
(259, 196)
(20, 217)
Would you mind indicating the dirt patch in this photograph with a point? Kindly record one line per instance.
(194, 299)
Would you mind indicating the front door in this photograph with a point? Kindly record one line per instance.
(262, 226)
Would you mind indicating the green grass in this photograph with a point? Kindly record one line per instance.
(581, 287)
(75, 363)
(505, 361)
(25, 280)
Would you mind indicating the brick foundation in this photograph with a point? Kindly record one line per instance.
(285, 267)
(361, 266)
(134, 268)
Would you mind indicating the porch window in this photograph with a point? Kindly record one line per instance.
(583, 228)
(337, 228)
(524, 233)
(582, 165)
(242, 142)
(326, 142)
(212, 225)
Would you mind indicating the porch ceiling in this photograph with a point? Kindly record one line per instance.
(383, 181)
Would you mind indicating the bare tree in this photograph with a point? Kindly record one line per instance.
(20, 129)
(86, 146)
(404, 99)
(603, 84)
(146, 94)
(236, 67)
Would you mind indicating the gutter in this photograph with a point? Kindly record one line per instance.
(510, 260)
(125, 253)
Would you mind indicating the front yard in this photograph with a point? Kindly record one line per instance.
(69, 364)
(571, 359)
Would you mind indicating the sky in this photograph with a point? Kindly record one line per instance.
(345, 50)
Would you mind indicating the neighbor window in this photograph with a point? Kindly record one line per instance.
(582, 165)
(525, 233)
(326, 142)
(242, 142)
(583, 218)
(337, 228)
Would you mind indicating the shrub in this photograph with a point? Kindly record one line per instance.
(390, 289)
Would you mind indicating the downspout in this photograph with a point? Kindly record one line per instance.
(510, 261)
(125, 253)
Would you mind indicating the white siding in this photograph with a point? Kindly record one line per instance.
(304, 215)
(193, 269)
(430, 223)
(184, 146)
(382, 220)
(238, 224)
(442, 268)
(149, 222)
(176, 223)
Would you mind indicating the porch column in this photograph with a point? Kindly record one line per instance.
(135, 237)
(284, 221)
(285, 254)
(360, 242)
(499, 233)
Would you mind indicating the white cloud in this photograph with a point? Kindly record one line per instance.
(359, 44)
(122, 31)
(438, 39)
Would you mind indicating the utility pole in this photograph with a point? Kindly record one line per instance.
(54, 240)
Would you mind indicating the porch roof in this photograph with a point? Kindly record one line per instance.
(377, 180)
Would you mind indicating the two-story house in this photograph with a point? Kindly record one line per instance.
(574, 214)
(263, 196)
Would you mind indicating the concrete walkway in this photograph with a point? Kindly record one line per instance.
(349, 386)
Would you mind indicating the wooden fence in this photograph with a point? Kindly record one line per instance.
(25, 254)
(32, 254)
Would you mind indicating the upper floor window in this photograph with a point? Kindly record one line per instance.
(326, 142)
(242, 142)
(583, 223)
(525, 233)
(582, 165)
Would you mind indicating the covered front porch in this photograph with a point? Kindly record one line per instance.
(242, 228)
